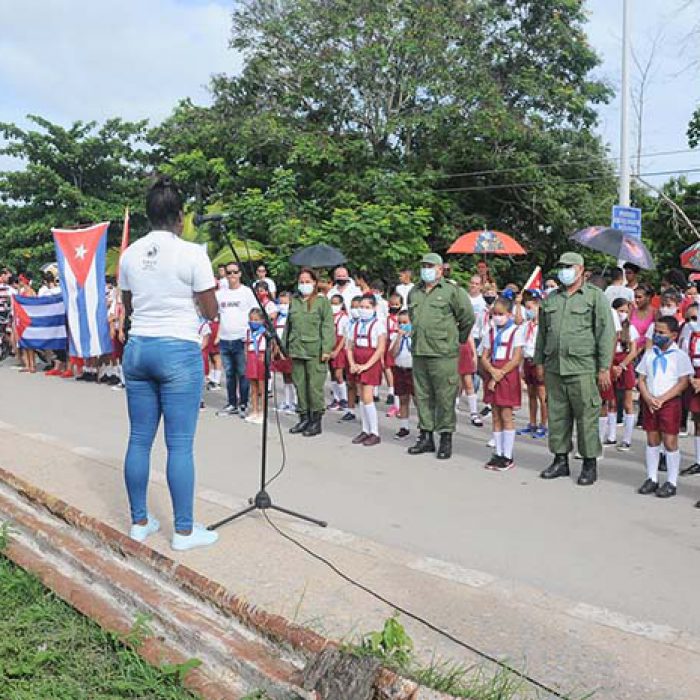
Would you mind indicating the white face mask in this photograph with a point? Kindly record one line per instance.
(428, 274)
(355, 313)
(500, 320)
(366, 314)
(283, 308)
(667, 310)
(305, 288)
(336, 308)
(623, 316)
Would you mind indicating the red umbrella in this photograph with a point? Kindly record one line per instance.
(486, 243)
(690, 258)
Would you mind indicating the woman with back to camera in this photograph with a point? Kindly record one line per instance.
(163, 279)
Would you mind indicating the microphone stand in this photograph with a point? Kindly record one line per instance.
(261, 500)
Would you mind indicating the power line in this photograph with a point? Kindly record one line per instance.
(592, 178)
(556, 164)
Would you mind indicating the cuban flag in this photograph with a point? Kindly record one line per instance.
(40, 322)
(81, 257)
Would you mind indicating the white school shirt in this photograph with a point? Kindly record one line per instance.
(529, 330)
(634, 337)
(234, 309)
(368, 333)
(478, 304)
(204, 330)
(678, 365)
(618, 291)
(403, 357)
(403, 290)
(341, 324)
(515, 332)
(280, 323)
(163, 273)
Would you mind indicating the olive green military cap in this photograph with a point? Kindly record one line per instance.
(431, 259)
(571, 258)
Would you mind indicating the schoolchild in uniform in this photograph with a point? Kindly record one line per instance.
(622, 373)
(536, 392)
(365, 353)
(354, 317)
(663, 377)
(281, 364)
(403, 372)
(466, 368)
(392, 329)
(255, 364)
(339, 360)
(691, 344)
(482, 326)
(501, 355)
(204, 343)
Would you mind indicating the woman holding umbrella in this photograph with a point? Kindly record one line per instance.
(309, 338)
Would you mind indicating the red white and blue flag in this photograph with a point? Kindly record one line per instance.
(81, 255)
(40, 322)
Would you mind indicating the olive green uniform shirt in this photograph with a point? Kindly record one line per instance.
(441, 318)
(309, 333)
(575, 333)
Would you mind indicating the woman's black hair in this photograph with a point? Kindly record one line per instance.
(164, 203)
(618, 302)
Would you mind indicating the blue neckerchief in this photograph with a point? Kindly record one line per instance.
(364, 322)
(660, 358)
(405, 343)
(498, 336)
(255, 335)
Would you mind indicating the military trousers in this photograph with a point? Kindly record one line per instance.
(573, 399)
(309, 378)
(435, 385)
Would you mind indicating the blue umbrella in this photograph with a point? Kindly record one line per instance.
(619, 244)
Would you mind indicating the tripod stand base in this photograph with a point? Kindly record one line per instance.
(262, 501)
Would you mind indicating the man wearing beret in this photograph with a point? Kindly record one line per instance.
(441, 318)
(573, 354)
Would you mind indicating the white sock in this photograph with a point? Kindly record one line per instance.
(508, 442)
(630, 420)
(216, 376)
(673, 464)
(120, 373)
(498, 439)
(334, 390)
(289, 394)
(602, 427)
(472, 401)
(375, 393)
(342, 392)
(372, 419)
(697, 450)
(403, 423)
(397, 402)
(612, 426)
(363, 417)
(210, 376)
(662, 447)
(653, 463)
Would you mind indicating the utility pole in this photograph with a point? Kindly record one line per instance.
(624, 194)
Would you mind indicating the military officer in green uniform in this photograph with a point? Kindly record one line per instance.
(442, 316)
(309, 339)
(573, 354)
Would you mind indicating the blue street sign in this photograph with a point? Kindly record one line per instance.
(627, 219)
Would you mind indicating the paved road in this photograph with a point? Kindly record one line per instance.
(604, 546)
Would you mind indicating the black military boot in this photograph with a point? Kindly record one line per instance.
(302, 425)
(425, 443)
(589, 472)
(445, 448)
(314, 426)
(559, 467)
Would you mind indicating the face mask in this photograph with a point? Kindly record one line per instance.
(530, 314)
(255, 325)
(283, 309)
(336, 308)
(341, 282)
(394, 309)
(660, 341)
(500, 320)
(406, 327)
(366, 314)
(428, 274)
(355, 313)
(667, 311)
(305, 288)
(489, 299)
(567, 276)
(694, 326)
(623, 316)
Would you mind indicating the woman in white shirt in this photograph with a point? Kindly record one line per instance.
(163, 280)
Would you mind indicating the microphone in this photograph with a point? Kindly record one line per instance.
(200, 219)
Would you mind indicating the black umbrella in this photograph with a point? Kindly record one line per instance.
(319, 255)
(619, 244)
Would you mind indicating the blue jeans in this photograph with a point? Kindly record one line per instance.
(234, 358)
(164, 376)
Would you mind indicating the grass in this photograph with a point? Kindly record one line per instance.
(49, 651)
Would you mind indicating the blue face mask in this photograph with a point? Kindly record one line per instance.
(660, 341)
(406, 327)
(428, 274)
(255, 326)
(567, 276)
(530, 314)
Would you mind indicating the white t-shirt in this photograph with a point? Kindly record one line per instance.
(234, 307)
(677, 365)
(348, 291)
(222, 282)
(478, 304)
(163, 273)
(514, 332)
(619, 291)
(403, 290)
(45, 291)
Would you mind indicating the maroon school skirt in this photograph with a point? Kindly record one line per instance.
(530, 373)
(373, 376)
(255, 366)
(666, 420)
(340, 361)
(283, 365)
(627, 380)
(508, 392)
(467, 361)
(403, 381)
(691, 399)
(609, 393)
(213, 348)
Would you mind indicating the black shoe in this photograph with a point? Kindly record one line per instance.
(666, 491)
(589, 472)
(648, 487)
(302, 425)
(314, 426)
(495, 462)
(559, 467)
(425, 443)
(697, 505)
(348, 417)
(692, 470)
(662, 463)
(445, 448)
(485, 411)
(390, 400)
(104, 379)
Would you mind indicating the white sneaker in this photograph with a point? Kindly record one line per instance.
(291, 409)
(141, 532)
(254, 419)
(200, 537)
(491, 443)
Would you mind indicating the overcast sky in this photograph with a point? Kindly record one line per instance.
(92, 59)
